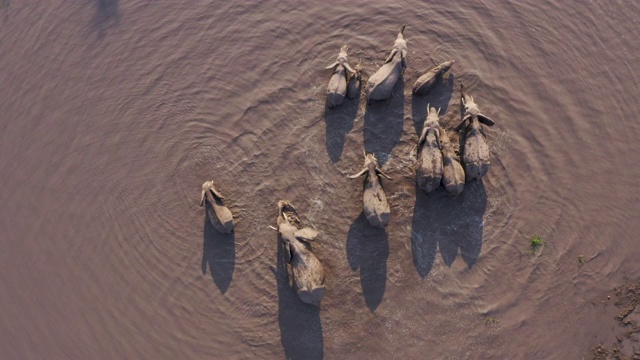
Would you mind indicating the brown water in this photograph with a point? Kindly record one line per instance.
(112, 114)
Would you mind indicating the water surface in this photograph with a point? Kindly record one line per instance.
(113, 113)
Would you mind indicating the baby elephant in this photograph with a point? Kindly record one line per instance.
(453, 174)
(308, 273)
(220, 217)
(431, 77)
(337, 88)
(429, 167)
(475, 151)
(381, 83)
(376, 206)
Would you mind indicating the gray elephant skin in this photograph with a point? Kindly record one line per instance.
(452, 172)
(429, 167)
(426, 82)
(374, 200)
(219, 215)
(337, 88)
(380, 84)
(308, 273)
(475, 150)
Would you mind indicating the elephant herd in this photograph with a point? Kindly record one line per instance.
(437, 162)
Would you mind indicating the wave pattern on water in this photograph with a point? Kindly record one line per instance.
(114, 113)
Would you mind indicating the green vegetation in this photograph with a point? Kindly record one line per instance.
(580, 261)
(536, 243)
(491, 320)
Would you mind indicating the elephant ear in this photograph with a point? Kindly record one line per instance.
(423, 137)
(348, 67)
(462, 123)
(306, 234)
(382, 173)
(287, 252)
(437, 133)
(393, 53)
(202, 197)
(332, 65)
(210, 196)
(362, 172)
(216, 193)
(486, 120)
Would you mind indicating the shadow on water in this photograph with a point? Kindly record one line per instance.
(450, 223)
(6, 4)
(383, 122)
(219, 252)
(423, 237)
(339, 121)
(438, 97)
(300, 326)
(107, 14)
(368, 250)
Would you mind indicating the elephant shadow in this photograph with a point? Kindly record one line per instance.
(449, 223)
(339, 121)
(107, 14)
(219, 254)
(383, 121)
(368, 250)
(300, 325)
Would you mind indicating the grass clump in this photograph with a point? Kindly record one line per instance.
(536, 244)
(491, 320)
(580, 261)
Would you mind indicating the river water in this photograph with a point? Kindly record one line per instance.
(113, 113)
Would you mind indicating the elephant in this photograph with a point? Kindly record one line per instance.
(380, 84)
(425, 82)
(475, 151)
(219, 215)
(429, 160)
(376, 206)
(337, 88)
(452, 172)
(308, 273)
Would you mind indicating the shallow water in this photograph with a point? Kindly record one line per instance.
(112, 114)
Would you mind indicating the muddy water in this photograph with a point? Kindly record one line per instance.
(112, 114)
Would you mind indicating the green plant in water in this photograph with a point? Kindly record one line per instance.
(580, 261)
(491, 321)
(536, 243)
